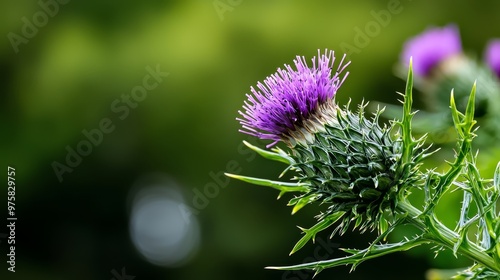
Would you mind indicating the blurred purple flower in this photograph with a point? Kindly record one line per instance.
(492, 56)
(289, 97)
(431, 47)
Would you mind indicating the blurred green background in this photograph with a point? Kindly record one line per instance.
(147, 199)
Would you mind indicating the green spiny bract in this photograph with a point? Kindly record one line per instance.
(352, 164)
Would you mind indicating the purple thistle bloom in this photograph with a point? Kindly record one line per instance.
(431, 47)
(492, 56)
(289, 97)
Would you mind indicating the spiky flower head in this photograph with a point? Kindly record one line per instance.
(340, 158)
(431, 48)
(492, 56)
(282, 106)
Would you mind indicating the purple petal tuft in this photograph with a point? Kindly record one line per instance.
(492, 56)
(431, 47)
(288, 97)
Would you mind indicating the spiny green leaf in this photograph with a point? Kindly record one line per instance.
(463, 125)
(311, 232)
(358, 256)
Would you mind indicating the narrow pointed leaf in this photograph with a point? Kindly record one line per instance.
(268, 154)
(496, 179)
(407, 117)
(454, 112)
(303, 201)
(282, 186)
(469, 111)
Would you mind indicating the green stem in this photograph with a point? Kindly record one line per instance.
(440, 234)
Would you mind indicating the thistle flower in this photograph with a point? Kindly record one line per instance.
(431, 48)
(492, 56)
(289, 101)
(365, 173)
(340, 158)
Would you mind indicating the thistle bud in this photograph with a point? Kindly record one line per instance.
(351, 164)
(440, 65)
(431, 48)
